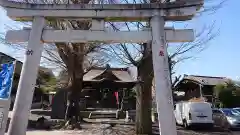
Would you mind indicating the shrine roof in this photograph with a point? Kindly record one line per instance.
(122, 74)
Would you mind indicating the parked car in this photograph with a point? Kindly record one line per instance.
(226, 118)
(237, 109)
(198, 114)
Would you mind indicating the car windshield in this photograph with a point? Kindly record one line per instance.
(231, 112)
(237, 109)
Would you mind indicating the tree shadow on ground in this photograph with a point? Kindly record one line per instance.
(32, 125)
(115, 128)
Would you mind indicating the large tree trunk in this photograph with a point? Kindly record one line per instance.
(144, 97)
(73, 56)
(73, 109)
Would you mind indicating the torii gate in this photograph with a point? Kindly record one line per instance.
(157, 13)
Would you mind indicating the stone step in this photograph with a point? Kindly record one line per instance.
(102, 114)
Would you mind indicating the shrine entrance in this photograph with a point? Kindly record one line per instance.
(101, 98)
(108, 87)
(155, 13)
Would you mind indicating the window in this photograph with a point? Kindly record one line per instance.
(217, 112)
(230, 112)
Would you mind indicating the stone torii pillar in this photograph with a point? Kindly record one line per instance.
(162, 77)
(28, 78)
(158, 15)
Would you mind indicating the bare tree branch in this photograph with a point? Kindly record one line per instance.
(71, 56)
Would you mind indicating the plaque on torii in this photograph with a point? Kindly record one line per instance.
(156, 13)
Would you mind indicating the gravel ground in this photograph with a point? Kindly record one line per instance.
(106, 129)
(122, 130)
(99, 133)
(182, 131)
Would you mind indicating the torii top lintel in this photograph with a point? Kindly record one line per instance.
(177, 10)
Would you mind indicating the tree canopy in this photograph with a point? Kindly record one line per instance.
(228, 94)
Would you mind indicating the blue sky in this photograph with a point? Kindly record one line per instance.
(221, 58)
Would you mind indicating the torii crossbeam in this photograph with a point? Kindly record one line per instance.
(157, 13)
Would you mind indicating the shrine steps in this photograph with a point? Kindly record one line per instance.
(103, 114)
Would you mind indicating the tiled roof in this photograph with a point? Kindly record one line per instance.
(207, 80)
(121, 73)
(92, 74)
(123, 76)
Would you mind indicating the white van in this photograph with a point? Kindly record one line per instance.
(193, 114)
